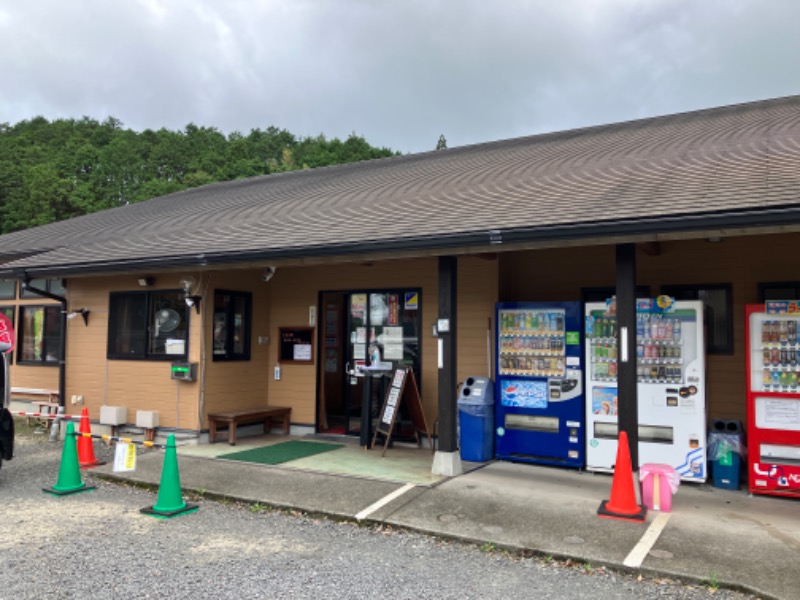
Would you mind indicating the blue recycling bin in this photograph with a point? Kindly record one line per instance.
(476, 419)
(725, 450)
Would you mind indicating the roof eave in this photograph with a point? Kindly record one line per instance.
(497, 239)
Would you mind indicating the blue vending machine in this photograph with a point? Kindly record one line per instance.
(539, 407)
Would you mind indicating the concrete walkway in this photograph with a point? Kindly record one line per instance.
(746, 542)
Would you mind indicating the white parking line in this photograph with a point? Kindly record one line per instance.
(384, 501)
(640, 550)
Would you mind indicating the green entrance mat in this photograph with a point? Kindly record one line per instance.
(281, 453)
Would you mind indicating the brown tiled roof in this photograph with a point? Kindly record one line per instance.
(726, 167)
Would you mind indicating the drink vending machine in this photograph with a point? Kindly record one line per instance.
(539, 383)
(773, 398)
(670, 368)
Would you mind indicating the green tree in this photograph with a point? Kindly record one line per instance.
(65, 168)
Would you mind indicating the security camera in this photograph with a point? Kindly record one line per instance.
(269, 272)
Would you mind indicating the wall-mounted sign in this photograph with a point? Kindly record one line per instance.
(296, 344)
(411, 301)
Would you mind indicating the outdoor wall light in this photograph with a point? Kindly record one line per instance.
(146, 281)
(269, 273)
(194, 301)
(83, 312)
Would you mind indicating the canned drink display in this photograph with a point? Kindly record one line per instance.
(783, 332)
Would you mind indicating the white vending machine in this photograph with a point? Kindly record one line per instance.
(670, 367)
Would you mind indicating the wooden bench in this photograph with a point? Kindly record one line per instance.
(232, 418)
(45, 407)
(52, 395)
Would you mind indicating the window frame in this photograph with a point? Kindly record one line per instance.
(763, 286)
(230, 312)
(22, 335)
(6, 295)
(25, 294)
(712, 347)
(146, 354)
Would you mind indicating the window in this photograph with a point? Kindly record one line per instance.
(718, 302)
(8, 289)
(39, 335)
(780, 290)
(148, 325)
(54, 286)
(232, 325)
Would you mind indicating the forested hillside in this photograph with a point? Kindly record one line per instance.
(56, 170)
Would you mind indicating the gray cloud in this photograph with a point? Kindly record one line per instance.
(397, 72)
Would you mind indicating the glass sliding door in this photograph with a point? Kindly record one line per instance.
(380, 327)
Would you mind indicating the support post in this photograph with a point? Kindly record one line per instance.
(447, 460)
(626, 353)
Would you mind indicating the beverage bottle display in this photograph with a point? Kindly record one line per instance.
(783, 332)
(792, 332)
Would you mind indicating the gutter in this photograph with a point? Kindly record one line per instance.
(490, 237)
(62, 371)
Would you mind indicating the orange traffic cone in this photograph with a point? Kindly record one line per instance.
(622, 504)
(86, 456)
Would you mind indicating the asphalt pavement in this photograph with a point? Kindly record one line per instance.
(717, 536)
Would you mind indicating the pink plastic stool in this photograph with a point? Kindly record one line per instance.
(656, 486)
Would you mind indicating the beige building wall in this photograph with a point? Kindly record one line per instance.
(294, 290)
(556, 274)
(477, 297)
(238, 384)
(137, 384)
(282, 302)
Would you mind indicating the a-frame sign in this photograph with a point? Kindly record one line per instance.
(404, 387)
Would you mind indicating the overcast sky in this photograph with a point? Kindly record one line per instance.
(398, 72)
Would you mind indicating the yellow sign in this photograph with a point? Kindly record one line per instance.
(125, 457)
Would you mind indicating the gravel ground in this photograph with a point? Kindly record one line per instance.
(97, 544)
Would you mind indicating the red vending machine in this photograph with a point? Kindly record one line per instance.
(773, 398)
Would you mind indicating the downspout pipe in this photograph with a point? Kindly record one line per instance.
(62, 370)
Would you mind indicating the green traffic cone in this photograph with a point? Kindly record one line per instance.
(69, 475)
(170, 500)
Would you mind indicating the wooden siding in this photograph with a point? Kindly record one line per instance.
(137, 384)
(554, 274)
(239, 384)
(294, 290)
(282, 302)
(742, 262)
(477, 296)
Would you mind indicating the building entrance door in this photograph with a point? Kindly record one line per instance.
(363, 328)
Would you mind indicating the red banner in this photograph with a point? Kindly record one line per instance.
(6, 331)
